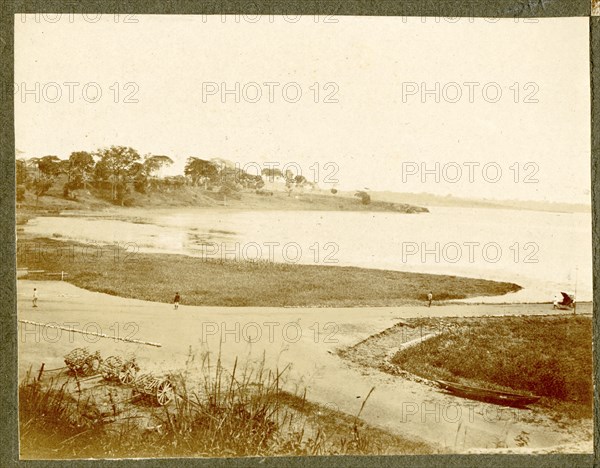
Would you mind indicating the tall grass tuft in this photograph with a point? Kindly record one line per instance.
(51, 420)
(242, 411)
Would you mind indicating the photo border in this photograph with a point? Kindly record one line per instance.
(446, 8)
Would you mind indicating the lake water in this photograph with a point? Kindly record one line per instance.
(544, 252)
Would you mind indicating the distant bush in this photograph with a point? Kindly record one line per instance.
(140, 184)
(266, 193)
(176, 181)
(365, 198)
(70, 188)
(231, 190)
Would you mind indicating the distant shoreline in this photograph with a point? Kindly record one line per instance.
(264, 200)
(197, 198)
(431, 200)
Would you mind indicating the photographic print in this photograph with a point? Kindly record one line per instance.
(256, 235)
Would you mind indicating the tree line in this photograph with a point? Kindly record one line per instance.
(120, 169)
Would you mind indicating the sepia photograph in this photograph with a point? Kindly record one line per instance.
(275, 235)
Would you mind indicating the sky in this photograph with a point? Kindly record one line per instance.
(345, 98)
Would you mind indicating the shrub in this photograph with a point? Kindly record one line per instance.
(365, 198)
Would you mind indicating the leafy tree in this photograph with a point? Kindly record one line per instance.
(224, 166)
(101, 173)
(200, 170)
(79, 168)
(50, 166)
(143, 172)
(300, 180)
(118, 164)
(46, 169)
(153, 163)
(271, 173)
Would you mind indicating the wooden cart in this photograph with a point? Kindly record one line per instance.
(159, 389)
(81, 363)
(116, 368)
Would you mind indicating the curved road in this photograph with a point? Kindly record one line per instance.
(306, 339)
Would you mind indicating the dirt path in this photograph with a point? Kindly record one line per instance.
(305, 339)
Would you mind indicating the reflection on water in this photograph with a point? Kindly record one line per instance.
(544, 252)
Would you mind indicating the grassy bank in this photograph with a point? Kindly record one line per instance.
(156, 277)
(550, 356)
(242, 413)
(197, 197)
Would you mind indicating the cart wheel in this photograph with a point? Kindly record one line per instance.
(91, 366)
(127, 375)
(164, 392)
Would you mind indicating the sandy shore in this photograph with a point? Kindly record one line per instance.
(307, 340)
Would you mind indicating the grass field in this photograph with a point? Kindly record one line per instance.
(550, 356)
(212, 282)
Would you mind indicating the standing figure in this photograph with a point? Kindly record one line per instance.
(429, 298)
(176, 301)
(35, 297)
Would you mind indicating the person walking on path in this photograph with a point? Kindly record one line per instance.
(35, 297)
(429, 298)
(176, 301)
